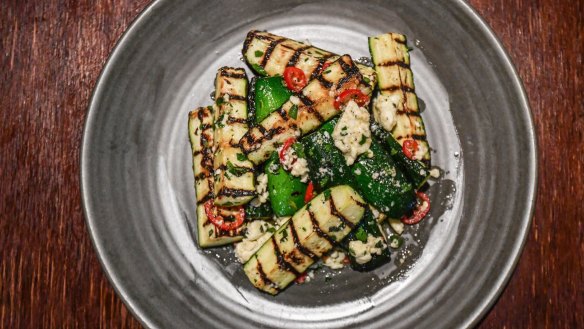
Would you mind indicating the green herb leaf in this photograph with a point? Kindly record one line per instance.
(219, 101)
(363, 140)
(327, 194)
(361, 235)
(258, 53)
(260, 70)
(271, 229)
(293, 113)
(241, 157)
(284, 235)
(236, 171)
(210, 232)
(366, 79)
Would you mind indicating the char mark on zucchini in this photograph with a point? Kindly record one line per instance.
(391, 58)
(234, 177)
(282, 263)
(317, 106)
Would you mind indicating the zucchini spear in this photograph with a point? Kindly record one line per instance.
(201, 138)
(233, 173)
(269, 55)
(308, 235)
(391, 58)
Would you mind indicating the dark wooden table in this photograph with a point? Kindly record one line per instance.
(51, 54)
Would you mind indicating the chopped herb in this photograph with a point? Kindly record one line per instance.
(271, 230)
(344, 134)
(219, 121)
(293, 113)
(363, 140)
(241, 157)
(262, 229)
(327, 194)
(344, 128)
(303, 228)
(395, 241)
(258, 53)
(284, 235)
(352, 252)
(236, 171)
(366, 79)
(379, 244)
(335, 229)
(219, 101)
(260, 70)
(306, 59)
(327, 71)
(361, 235)
(210, 232)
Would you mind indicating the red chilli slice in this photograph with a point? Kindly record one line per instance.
(420, 212)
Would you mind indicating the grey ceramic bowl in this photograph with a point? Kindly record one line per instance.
(138, 191)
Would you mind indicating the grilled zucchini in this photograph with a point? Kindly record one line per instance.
(269, 55)
(308, 235)
(233, 173)
(391, 58)
(201, 138)
(304, 112)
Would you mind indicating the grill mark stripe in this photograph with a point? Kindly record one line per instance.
(282, 114)
(231, 120)
(282, 263)
(395, 63)
(412, 113)
(318, 68)
(336, 213)
(235, 97)
(205, 199)
(235, 192)
(298, 245)
(296, 56)
(229, 74)
(265, 278)
(248, 39)
(269, 51)
(317, 114)
(317, 229)
(402, 88)
(305, 100)
(327, 84)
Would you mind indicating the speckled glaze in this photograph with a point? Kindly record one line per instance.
(138, 190)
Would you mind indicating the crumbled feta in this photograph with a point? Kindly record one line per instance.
(226, 97)
(295, 165)
(435, 172)
(335, 260)
(384, 110)
(257, 232)
(295, 100)
(363, 252)
(379, 216)
(358, 171)
(420, 152)
(262, 188)
(352, 135)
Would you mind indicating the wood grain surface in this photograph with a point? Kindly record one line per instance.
(51, 54)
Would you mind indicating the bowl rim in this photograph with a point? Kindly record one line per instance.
(471, 319)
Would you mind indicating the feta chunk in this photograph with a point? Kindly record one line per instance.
(364, 251)
(352, 135)
(385, 109)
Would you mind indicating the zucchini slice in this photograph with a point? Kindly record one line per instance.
(201, 138)
(269, 55)
(308, 235)
(233, 173)
(303, 112)
(391, 58)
